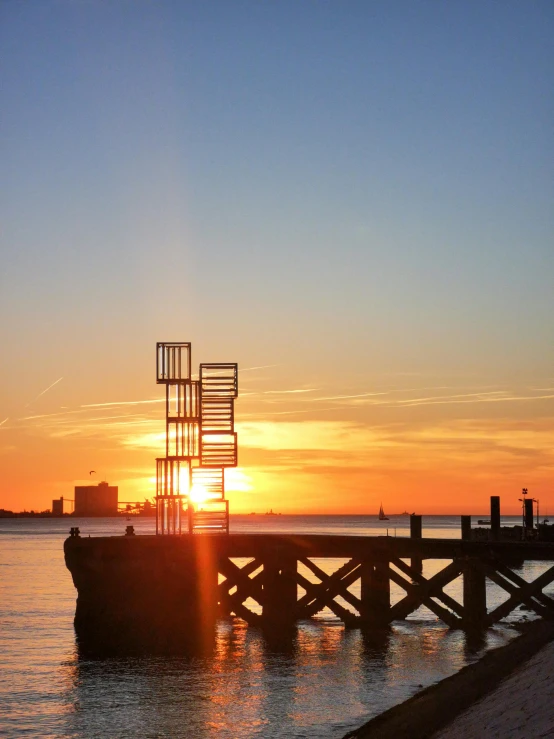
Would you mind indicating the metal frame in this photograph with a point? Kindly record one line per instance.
(200, 441)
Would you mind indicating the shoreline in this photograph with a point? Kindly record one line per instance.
(433, 709)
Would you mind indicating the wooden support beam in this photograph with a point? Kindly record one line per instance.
(325, 577)
(417, 596)
(416, 532)
(524, 593)
(235, 575)
(279, 603)
(437, 591)
(232, 604)
(509, 574)
(320, 597)
(315, 590)
(466, 528)
(475, 595)
(421, 593)
(247, 587)
(323, 594)
(326, 594)
(375, 593)
(516, 592)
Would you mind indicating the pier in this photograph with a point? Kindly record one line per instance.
(167, 591)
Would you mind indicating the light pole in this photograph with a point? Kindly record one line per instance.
(524, 493)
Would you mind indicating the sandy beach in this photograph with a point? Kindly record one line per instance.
(506, 695)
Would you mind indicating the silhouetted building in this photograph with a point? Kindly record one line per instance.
(57, 507)
(96, 500)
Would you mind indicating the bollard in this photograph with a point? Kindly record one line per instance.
(74, 531)
(130, 531)
(495, 517)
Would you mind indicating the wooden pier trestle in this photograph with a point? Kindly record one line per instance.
(149, 584)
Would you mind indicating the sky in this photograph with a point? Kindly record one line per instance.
(352, 200)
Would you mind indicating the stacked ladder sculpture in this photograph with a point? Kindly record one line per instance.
(200, 442)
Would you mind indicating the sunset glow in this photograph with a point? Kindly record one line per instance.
(437, 450)
(365, 230)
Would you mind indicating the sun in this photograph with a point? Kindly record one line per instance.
(198, 494)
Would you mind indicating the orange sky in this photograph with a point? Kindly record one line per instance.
(312, 446)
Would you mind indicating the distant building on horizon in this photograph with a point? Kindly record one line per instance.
(96, 500)
(57, 507)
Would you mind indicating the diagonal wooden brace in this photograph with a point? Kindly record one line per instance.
(421, 593)
(437, 590)
(322, 594)
(522, 595)
(325, 578)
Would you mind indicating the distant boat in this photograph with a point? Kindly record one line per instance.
(484, 522)
(382, 516)
(270, 513)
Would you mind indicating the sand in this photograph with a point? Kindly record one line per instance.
(508, 694)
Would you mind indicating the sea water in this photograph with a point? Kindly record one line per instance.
(326, 681)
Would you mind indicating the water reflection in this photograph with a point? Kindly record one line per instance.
(375, 644)
(199, 643)
(253, 685)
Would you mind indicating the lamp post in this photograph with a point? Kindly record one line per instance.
(524, 493)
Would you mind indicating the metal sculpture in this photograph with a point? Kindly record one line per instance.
(200, 442)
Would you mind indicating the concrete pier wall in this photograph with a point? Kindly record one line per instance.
(143, 593)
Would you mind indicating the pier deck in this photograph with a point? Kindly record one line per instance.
(182, 584)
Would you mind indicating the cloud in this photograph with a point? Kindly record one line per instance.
(496, 396)
(123, 402)
(288, 392)
(44, 391)
(349, 397)
(262, 366)
(392, 397)
(306, 435)
(152, 440)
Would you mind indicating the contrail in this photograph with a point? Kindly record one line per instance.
(122, 402)
(262, 366)
(4, 421)
(44, 391)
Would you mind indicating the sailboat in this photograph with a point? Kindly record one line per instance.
(382, 516)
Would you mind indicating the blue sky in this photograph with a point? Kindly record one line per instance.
(348, 191)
